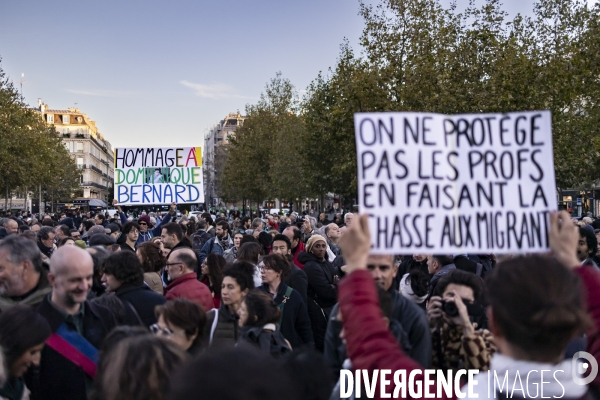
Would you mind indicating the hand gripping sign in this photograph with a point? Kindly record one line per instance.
(476, 183)
(158, 175)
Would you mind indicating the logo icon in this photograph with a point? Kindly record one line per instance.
(581, 368)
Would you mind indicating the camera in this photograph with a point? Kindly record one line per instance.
(451, 310)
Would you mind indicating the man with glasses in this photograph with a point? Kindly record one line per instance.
(181, 269)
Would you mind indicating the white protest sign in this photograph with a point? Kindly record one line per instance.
(158, 175)
(477, 183)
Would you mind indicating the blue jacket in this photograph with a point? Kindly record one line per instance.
(213, 246)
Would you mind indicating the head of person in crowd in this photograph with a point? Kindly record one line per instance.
(11, 226)
(213, 267)
(150, 257)
(249, 252)
(383, 269)
(208, 218)
(237, 238)
(265, 240)
(222, 229)
(181, 321)
(332, 232)
(23, 333)
(115, 304)
(317, 245)
(23, 228)
(258, 309)
(144, 223)
(62, 231)
(281, 245)
(460, 287)
(99, 219)
(246, 223)
(131, 230)
(294, 234)
(348, 217)
(238, 373)
(46, 236)
(20, 266)
(47, 221)
(71, 275)
(536, 308)
(138, 367)
(102, 239)
(67, 241)
(587, 246)
(96, 230)
(182, 261)
(415, 285)
(258, 224)
(36, 227)
(115, 230)
(122, 268)
(436, 262)
(237, 282)
(75, 234)
(420, 257)
(171, 235)
(31, 235)
(274, 268)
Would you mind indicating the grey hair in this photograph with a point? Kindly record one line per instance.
(347, 215)
(313, 222)
(256, 223)
(20, 249)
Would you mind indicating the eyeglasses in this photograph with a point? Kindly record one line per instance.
(157, 330)
(239, 231)
(263, 267)
(169, 264)
(143, 223)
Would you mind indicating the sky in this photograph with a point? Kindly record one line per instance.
(160, 73)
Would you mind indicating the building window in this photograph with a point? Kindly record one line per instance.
(79, 162)
(80, 147)
(66, 119)
(66, 131)
(50, 118)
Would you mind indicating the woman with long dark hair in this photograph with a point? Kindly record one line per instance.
(23, 333)
(212, 276)
(152, 263)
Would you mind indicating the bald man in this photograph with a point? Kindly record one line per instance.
(73, 320)
(181, 268)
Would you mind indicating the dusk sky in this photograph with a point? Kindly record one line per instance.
(157, 73)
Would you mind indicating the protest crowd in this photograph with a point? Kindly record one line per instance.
(230, 306)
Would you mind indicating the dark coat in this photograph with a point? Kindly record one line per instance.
(59, 378)
(227, 331)
(322, 294)
(143, 299)
(446, 269)
(298, 281)
(414, 334)
(295, 323)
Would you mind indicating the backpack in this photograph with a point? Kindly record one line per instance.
(199, 238)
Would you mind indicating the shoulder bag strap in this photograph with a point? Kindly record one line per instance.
(214, 326)
(137, 316)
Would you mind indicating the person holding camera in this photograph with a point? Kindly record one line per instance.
(456, 340)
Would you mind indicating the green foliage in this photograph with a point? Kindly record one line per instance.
(31, 152)
(419, 56)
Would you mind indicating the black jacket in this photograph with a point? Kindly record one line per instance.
(58, 377)
(322, 294)
(295, 323)
(416, 341)
(297, 280)
(143, 300)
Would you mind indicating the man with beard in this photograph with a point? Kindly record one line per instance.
(587, 246)
(22, 277)
(68, 361)
(219, 244)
